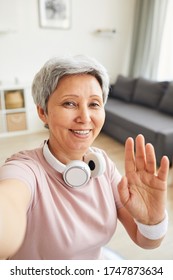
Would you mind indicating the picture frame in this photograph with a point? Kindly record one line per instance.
(55, 13)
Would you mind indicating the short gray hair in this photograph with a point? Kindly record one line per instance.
(46, 80)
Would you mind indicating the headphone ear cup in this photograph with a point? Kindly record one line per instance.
(96, 163)
(76, 174)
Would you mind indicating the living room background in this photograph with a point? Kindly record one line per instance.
(25, 46)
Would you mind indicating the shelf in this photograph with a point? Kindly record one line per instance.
(105, 32)
(13, 111)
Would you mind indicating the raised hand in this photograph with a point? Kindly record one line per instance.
(143, 189)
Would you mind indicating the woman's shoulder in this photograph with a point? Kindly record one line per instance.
(26, 155)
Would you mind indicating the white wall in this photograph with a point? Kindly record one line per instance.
(23, 51)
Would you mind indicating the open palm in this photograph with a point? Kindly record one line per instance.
(143, 190)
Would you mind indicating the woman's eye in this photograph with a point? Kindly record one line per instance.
(69, 104)
(94, 104)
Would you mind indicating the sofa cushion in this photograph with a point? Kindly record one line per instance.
(138, 115)
(123, 88)
(149, 93)
(166, 104)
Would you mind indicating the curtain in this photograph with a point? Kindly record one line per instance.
(165, 69)
(147, 35)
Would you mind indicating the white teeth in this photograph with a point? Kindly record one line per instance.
(81, 132)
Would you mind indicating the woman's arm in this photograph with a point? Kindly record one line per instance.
(131, 227)
(14, 201)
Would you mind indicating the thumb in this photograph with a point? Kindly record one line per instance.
(123, 190)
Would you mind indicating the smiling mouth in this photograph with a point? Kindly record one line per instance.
(81, 132)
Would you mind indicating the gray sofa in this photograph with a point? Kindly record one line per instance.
(141, 106)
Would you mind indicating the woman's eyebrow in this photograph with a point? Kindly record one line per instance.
(78, 95)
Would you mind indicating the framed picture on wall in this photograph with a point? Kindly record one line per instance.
(55, 13)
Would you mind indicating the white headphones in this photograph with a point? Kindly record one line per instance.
(77, 173)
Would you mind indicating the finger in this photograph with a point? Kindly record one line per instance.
(123, 190)
(150, 159)
(129, 155)
(140, 152)
(163, 169)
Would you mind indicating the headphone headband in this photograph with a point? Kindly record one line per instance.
(77, 173)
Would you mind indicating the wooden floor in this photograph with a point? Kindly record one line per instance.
(120, 242)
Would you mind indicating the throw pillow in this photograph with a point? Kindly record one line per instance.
(149, 92)
(123, 88)
(166, 104)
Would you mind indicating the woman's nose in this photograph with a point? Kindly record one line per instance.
(84, 115)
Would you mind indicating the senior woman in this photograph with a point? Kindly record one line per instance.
(62, 199)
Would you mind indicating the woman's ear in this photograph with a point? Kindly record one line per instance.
(42, 114)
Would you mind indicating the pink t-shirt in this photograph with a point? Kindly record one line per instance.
(63, 222)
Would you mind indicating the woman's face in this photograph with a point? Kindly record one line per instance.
(75, 116)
